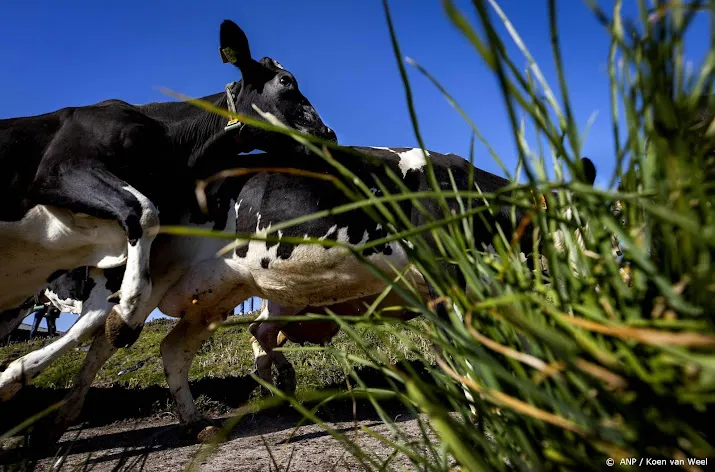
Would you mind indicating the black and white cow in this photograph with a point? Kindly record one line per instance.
(83, 186)
(67, 293)
(190, 283)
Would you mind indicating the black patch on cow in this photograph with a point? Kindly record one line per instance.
(242, 251)
(354, 234)
(56, 274)
(114, 278)
(74, 284)
(264, 262)
(284, 250)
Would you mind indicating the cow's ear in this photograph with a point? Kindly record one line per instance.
(589, 170)
(234, 47)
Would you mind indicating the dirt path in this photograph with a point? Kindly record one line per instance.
(158, 445)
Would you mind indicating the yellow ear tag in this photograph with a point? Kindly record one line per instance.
(228, 55)
(232, 124)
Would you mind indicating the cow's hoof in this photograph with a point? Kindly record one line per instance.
(118, 333)
(210, 434)
(205, 430)
(12, 443)
(8, 388)
(286, 380)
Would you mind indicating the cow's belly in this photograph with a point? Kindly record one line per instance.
(315, 276)
(49, 239)
(312, 275)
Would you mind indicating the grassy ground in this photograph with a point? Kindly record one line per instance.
(227, 354)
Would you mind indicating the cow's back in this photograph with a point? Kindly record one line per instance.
(110, 130)
(22, 143)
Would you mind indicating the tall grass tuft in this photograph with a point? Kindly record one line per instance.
(566, 370)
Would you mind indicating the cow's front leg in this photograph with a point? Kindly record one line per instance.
(178, 350)
(94, 314)
(52, 427)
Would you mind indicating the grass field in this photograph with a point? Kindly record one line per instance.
(226, 355)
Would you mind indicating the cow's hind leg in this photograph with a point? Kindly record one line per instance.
(266, 334)
(263, 362)
(99, 193)
(51, 428)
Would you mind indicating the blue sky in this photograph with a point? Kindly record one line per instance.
(58, 54)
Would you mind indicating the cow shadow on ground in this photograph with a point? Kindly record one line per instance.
(104, 406)
(132, 446)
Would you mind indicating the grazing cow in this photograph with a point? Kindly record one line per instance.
(190, 283)
(83, 186)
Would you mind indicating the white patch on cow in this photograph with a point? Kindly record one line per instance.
(67, 305)
(48, 239)
(384, 149)
(414, 159)
(378, 227)
(136, 283)
(331, 230)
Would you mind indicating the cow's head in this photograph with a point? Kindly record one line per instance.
(272, 89)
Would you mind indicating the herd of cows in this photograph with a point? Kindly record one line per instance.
(84, 188)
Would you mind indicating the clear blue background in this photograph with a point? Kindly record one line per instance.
(57, 54)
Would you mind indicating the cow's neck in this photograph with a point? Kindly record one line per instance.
(191, 128)
(190, 135)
